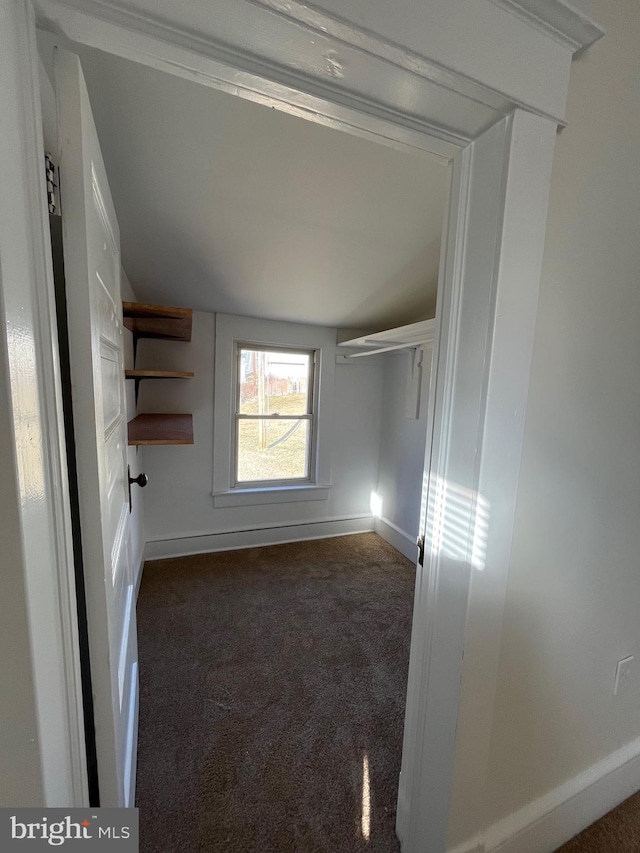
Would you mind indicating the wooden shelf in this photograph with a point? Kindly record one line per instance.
(167, 323)
(157, 321)
(158, 374)
(151, 429)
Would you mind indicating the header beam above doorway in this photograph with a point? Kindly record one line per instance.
(322, 66)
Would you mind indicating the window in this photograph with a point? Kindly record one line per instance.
(275, 425)
(272, 412)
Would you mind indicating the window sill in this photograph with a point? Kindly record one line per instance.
(270, 495)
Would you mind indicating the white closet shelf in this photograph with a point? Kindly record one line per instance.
(402, 337)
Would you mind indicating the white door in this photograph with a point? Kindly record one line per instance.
(94, 307)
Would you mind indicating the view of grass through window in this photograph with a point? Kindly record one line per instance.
(274, 418)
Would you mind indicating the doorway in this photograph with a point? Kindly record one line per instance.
(359, 380)
(525, 143)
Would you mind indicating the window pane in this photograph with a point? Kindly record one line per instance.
(273, 382)
(273, 450)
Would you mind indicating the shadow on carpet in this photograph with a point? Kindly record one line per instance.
(272, 691)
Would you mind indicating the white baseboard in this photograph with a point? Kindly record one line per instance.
(205, 543)
(400, 539)
(131, 755)
(550, 821)
(473, 846)
(139, 566)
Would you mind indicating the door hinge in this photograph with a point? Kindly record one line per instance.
(53, 185)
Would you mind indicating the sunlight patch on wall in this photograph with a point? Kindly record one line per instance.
(375, 504)
(455, 520)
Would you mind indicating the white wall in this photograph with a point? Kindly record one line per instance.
(573, 600)
(402, 445)
(180, 515)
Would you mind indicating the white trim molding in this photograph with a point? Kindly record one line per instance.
(464, 318)
(473, 846)
(225, 57)
(138, 568)
(559, 20)
(473, 465)
(397, 537)
(547, 823)
(259, 535)
(294, 57)
(516, 274)
(131, 760)
(30, 332)
(273, 494)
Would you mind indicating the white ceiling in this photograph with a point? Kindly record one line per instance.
(226, 205)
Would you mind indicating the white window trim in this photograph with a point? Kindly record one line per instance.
(311, 415)
(270, 494)
(230, 332)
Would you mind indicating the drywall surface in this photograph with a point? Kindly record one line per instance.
(402, 445)
(178, 499)
(267, 203)
(135, 456)
(574, 585)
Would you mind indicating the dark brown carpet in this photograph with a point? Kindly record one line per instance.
(269, 678)
(617, 832)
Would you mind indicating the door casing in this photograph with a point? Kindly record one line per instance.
(501, 148)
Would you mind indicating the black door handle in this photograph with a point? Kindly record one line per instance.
(141, 480)
(420, 547)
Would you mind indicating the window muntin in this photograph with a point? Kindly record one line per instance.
(275, 392)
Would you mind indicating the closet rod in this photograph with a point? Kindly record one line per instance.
(407, 345)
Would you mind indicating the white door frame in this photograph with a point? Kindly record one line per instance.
(29, 333)
(327, 70)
